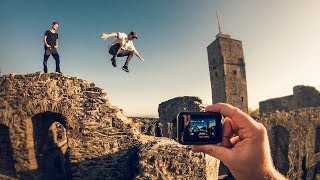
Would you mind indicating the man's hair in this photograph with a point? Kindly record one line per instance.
(55, 23)
(134, 34)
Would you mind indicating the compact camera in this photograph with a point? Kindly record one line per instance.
(199, 128)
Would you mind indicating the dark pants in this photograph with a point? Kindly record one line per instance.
(56, 57)
(116, 51)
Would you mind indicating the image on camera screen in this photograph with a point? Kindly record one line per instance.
(199, 128)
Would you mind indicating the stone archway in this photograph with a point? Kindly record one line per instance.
(280, 148)
(6, 159)
(50, 145)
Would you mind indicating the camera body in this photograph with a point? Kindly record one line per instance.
(199, 128)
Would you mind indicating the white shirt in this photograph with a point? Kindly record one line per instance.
(125, 43)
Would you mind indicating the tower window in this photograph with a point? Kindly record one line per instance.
(234, 72)
(214, 61)
(216, 74)
(242, 99)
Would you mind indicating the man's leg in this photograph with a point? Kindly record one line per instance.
(129, 55)
(45, 59)
(114, 49)
(57, 58)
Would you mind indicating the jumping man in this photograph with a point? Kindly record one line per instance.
(122, 46)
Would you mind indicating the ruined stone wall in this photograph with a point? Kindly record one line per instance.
(145, 125)
(56, 126)
(303, 97)
(169, 110)
(95, 130)
(294, 141)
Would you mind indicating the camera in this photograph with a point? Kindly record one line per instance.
(199, 128)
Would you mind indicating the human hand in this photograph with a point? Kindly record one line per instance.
(56, 46)
(48, 46)
(104, 36)
(245, 146)
(142, 59)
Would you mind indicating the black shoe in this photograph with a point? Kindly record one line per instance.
(125, 68)
(58, 71)
(114, 64)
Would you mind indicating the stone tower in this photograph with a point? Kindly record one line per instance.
(227, 72)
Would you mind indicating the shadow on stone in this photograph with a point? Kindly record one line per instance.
(6, 159)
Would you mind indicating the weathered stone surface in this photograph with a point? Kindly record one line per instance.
(303, 97)
(54, 126)
(163, 158)
(227, 72)
(146, 126)
(169, 110)
(295, 141)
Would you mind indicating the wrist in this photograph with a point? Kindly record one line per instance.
(272, 173)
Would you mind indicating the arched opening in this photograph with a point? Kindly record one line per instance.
(50, 144)
(317, 142)
(279, 148)
(6, 152)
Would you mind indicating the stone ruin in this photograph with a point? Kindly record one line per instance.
(294, 135)
(303, 97)
(169, 110)
(59, 127)
(293, 124)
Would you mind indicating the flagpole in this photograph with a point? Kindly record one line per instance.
(218, 20)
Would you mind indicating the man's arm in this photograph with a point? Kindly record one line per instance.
(138, 55)
(56, 46)
(106, 36)
(45, 42)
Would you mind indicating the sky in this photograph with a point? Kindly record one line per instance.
(280, 42)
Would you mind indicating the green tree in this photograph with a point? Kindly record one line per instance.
(254, 112)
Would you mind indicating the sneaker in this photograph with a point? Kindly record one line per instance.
(114, 64)
(58, 71)
(125, 68)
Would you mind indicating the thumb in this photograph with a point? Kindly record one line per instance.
(219, 152)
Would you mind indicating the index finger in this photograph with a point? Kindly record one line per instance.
(240, 118)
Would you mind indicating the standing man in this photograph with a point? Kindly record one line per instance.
(50, 47)
(122, 46)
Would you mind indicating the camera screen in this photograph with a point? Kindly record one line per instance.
(200, 128)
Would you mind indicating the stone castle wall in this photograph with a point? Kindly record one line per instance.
(303, 96)
(295, 141)
(55, 126)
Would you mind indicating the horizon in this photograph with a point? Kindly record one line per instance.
(279, 43)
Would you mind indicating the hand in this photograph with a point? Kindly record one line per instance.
(104, 36)
(56, 46)
(142, 59)
(245, 147)
(48, 46)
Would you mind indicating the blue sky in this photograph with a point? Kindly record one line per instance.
(280, 40)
